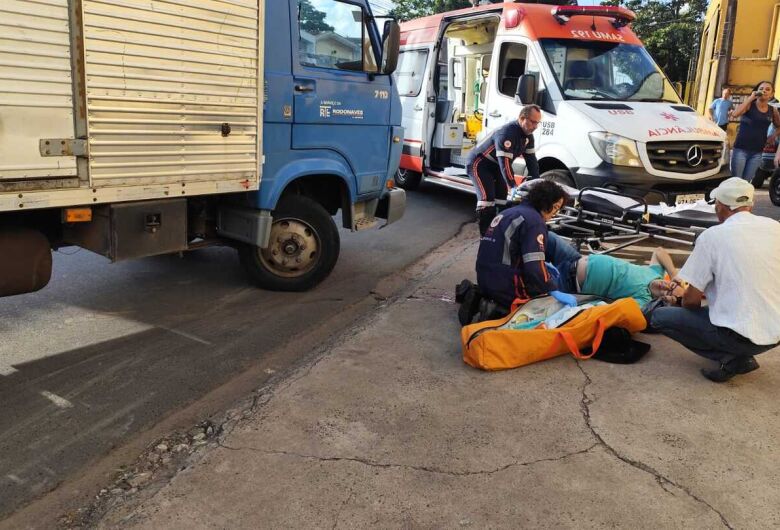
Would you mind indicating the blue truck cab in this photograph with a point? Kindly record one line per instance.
(332, 140)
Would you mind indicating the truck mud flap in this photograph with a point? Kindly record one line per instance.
(26, 263)
(392, 206)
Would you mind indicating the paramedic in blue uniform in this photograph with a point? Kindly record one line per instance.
(489, 165)
(512, 253)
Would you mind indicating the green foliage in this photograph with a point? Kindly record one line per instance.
(669, 30)
(312, 19)
(409, 9)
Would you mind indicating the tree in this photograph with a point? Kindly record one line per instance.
(312, 19)
(409, 9)
(669, 29)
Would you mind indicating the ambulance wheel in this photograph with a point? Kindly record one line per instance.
(559, 176)
(774, 188)
(407, 179)
(302, 250)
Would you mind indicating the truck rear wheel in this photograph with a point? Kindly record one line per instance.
(302, 250)
(559, 176)
(407, 179)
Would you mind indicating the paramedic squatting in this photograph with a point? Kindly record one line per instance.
(489, 165)
(513, 250)
(735, 265)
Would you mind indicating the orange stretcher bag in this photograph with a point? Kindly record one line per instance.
(491, 345)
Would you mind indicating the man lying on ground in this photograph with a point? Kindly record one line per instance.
(613, 278)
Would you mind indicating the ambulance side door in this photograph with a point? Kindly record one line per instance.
(413, 80)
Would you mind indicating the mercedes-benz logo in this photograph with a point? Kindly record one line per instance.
(694, 155)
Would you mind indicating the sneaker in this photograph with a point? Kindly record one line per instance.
(728, 370)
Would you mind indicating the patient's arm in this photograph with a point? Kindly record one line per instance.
(692, 298)
(662, 257)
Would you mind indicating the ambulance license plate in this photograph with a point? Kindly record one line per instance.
(688, 198)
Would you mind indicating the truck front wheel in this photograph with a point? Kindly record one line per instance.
(301, 252)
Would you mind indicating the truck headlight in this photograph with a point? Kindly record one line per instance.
(615, 149)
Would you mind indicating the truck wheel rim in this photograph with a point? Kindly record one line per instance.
(293, 250)
(402, 174)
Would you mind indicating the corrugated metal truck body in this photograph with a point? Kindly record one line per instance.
(160, 83)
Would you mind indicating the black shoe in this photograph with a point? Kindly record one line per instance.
(728, 370)
(470, 305)
(461, 289)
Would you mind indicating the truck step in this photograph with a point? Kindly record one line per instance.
(365, 223)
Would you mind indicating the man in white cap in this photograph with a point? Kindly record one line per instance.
(736, 266)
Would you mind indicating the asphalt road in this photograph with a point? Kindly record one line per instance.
(107, 350)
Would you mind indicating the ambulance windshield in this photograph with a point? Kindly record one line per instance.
(597, 70)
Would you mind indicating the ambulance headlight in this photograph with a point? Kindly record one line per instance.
(615, 149)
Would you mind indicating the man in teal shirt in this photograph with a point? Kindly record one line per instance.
(614, 278)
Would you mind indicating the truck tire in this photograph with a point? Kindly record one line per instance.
(302, 250)
(559, 176)
(407, 179)
(774, 188)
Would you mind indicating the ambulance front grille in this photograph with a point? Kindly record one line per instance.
(684, 157)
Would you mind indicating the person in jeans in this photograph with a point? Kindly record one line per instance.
(720, 108)
(755, 115)
(735, 264)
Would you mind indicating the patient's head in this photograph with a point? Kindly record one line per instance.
(669, 291)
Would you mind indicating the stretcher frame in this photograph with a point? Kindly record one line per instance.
(585, 227)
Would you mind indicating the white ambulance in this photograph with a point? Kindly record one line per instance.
(610, 116)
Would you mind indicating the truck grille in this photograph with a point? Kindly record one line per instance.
(684, 157)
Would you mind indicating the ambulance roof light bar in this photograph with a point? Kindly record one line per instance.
(620, 15)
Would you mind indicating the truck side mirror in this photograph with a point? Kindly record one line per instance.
(526, 89)
(391, 44)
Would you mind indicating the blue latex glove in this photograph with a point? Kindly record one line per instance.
(554, 272)
(564, 298)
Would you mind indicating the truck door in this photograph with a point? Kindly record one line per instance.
(340, 103)
(36, 92)
(413, 77)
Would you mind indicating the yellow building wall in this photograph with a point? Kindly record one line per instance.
(754, 51)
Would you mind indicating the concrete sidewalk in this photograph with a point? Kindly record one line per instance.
(391, 429)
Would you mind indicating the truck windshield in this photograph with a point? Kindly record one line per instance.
(606, 71)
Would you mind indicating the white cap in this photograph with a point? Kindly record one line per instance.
(734, 192)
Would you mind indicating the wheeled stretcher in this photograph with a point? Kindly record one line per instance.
(600, 215)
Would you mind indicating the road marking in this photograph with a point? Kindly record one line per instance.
(186, 335)
(61, 402)
(14, 478)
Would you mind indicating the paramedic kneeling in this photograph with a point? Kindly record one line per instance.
(489, 164)
(511, 258)
(735, 264)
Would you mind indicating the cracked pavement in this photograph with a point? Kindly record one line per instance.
(387, 426)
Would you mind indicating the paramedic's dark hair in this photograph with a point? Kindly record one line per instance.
(543, 195)
(526, 111)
